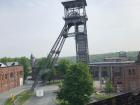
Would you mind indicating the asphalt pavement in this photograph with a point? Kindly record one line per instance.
(47, 99)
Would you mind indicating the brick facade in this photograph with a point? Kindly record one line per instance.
(10, 77)
(128, 78)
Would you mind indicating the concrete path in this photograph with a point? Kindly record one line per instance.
(48, 99)
(5, 95)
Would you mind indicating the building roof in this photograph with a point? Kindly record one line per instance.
(111, 63)
(74, 3)
(2, 65)
(12, 63)
(8, 64)
(115, 58)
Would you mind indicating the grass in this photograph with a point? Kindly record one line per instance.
(54, 82)
(20, 99)
(103, 96)
(8, 102)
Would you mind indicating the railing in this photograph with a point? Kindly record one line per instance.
(123, 99)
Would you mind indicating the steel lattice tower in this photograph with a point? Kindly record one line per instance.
(74, 16)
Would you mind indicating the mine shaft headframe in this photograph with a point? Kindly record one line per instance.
(75, 16)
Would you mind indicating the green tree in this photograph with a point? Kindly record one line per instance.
(46, 73)
(77, 86)
(41, 63)
(109, 87)
(25, 62)
(63, 66)
(48, 76)
(41, 67)
(5, 60)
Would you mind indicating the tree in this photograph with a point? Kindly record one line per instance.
(77, 86)
(109, 87)
(25, 62)
(41, 63)
(63, 66)
(5, 60)
(47, 76)
(46, 73)
(41, 66)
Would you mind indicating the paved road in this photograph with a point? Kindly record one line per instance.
(5, 95)
(48, 98)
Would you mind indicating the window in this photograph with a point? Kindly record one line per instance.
(11, 75)
(96, 73)
(131, 71)
(6, 76)
(20, 73)
(0, 77)
(3, 77)
(104, 74)
(119, 82)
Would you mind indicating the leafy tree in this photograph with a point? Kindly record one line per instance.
(41, 64)
(25, 62)
(40, 68)
(5, 60)
(46, 73)
(77, 86)
(63, 66)
(109, 87)
(48, 76)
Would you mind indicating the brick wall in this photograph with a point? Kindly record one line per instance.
(130, 77)
(10, 77)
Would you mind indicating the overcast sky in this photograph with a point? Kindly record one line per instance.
(32, 26)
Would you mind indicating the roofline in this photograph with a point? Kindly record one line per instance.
(103, 63)
(65, 2)
(12, 66)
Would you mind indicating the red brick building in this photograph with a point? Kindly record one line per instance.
(127, 77)
(124, 74)
(10, 77)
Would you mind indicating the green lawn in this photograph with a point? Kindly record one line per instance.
(103, 96)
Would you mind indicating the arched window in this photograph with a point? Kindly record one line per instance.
(2, 77)
(11, 75)
(6, 76)
(20, 73)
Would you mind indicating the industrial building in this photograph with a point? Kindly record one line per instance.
(11, 76)
(124, 74)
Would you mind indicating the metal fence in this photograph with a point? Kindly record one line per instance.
(124, 99)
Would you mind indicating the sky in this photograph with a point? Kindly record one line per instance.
(32, 26)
